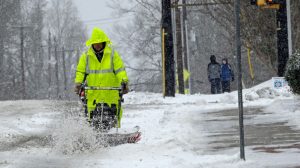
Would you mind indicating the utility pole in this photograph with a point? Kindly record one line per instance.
(184, 17)
(282, 38)
(179, 50)
(289, 25)
(184, 30)
(185, 45)
(49, 65)
(237, 9)
(167, 48)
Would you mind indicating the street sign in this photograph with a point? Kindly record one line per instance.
(279, 82)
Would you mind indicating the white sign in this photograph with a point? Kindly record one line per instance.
(280, 84)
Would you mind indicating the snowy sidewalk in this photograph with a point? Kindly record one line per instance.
(263, 127)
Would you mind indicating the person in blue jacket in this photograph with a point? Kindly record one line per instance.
(227, 75)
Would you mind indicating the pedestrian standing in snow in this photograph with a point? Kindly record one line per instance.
(214, 74)
(226, 75)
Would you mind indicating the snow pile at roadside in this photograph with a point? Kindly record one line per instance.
(265, 90)
(24, 117)
(157, 99)
(261, 91)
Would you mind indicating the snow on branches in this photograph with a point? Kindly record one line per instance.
(292, 74)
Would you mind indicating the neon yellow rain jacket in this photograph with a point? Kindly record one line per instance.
(109, 73)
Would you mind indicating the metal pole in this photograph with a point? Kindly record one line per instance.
(184, 30)
(188, 58)
(163, 61)
(185, 48)
(289, 22)
(178, 33)
(239, 65)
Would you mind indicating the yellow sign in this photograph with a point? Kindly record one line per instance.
(261, 2)
(273, 6)
(267, 4)
(186, 75)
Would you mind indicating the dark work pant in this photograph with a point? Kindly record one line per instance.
(215, 86)
(226, 86)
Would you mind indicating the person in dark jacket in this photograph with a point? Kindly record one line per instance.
(227, 75)
(214, 73)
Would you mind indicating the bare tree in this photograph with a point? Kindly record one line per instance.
(211, 31)
(141, 43)
(33, 21)
(64, 24)
(9, 45)
(24, 27)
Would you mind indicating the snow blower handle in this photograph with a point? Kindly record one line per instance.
(102, 88)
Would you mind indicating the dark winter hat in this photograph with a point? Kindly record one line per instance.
(212, 58)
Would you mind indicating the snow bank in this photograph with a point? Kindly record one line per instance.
(157, 99)
(265, 90)
(24, 117)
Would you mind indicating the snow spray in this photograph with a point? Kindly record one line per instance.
(73, 134)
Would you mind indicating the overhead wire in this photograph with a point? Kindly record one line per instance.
(106, 20)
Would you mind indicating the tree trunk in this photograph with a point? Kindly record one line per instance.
(64, 71)
(56, 68)
(49, 66)
(23, 88)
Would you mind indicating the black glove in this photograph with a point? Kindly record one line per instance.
(125, 88)
(77, 88)
(232, 79)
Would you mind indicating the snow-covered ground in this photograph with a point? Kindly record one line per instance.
(185, 131)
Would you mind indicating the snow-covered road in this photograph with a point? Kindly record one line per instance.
(185, 131)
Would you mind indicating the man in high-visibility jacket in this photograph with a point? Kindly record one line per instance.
(103, 67)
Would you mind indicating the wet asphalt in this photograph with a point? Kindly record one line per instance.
(263, 131)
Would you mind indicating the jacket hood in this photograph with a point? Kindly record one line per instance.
(212, 58)
(98, 36)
